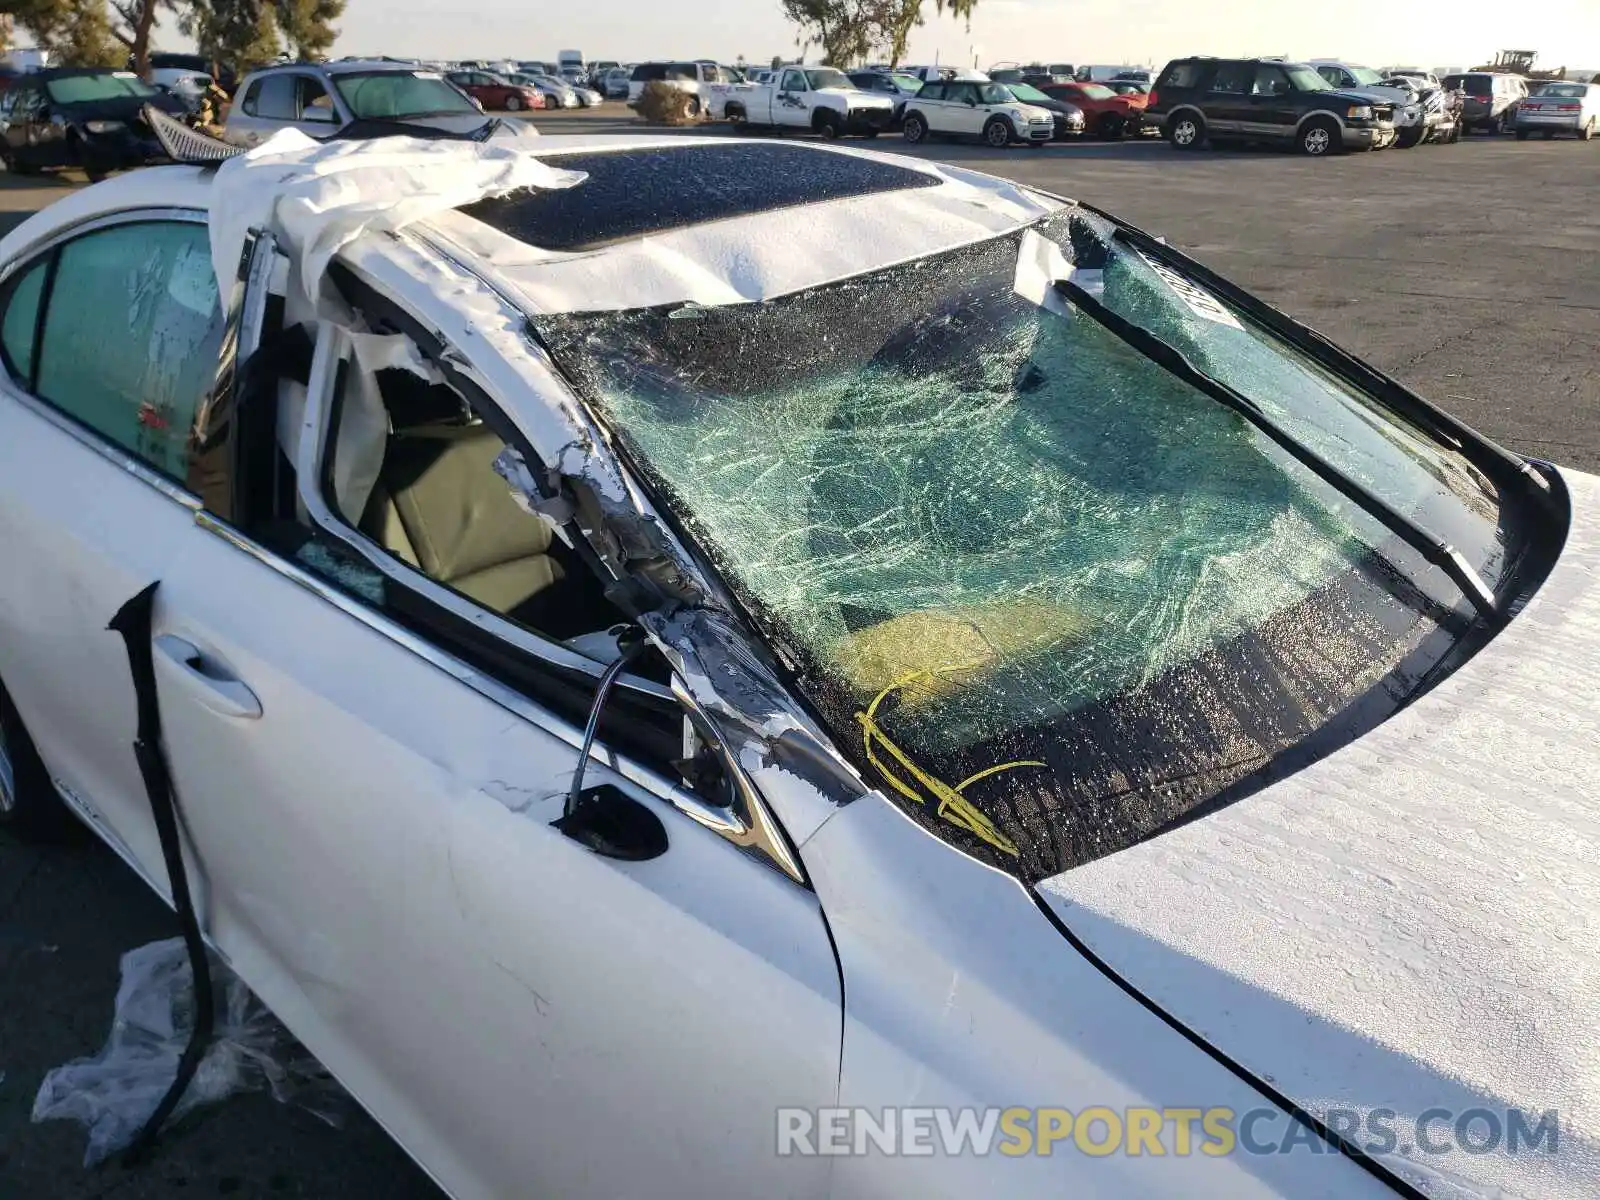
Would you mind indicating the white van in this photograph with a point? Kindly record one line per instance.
(683, 75)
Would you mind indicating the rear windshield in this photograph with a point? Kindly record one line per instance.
(1474, 85)
(1048, 595)
(84, 89)
(1564, 91)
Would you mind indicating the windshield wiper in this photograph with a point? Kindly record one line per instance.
(1432, 547)
(1437, 424)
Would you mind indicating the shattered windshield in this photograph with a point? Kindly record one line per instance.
(1047, 594)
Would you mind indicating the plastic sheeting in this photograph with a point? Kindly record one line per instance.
(114, 1092)
(317, 197)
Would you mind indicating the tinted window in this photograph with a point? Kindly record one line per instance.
(645, 72)
(1271, 81)
(931, 91)
(1181, 76)
(92, 88)
(131, 337)
(273, 99)
(635, 192)
(682, 72)
(21, 319)
(1233, 78)
(315, 103)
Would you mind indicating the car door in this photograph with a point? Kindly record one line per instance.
(958, 111)
(271, 103)
(789, 106)
(1273, 110)
(929, 101)
(110, 340)
(1227, 100)
(374, 834)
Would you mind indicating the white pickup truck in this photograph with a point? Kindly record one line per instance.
(820, 99)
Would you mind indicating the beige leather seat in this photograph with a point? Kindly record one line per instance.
(439, 506)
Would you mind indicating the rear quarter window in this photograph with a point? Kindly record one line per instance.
(1180, 75)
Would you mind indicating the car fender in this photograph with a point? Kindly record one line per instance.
(1338, 118)
(1164, 117)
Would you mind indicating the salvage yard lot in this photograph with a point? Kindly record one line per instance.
(1467, 271)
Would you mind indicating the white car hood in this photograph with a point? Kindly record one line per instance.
(1414, 921)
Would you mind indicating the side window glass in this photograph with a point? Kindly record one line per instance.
(248, 105)
(275, 98)
(793, 82)
(315, 103)
(21, 320)
(931, 91)
(1181, 75)
(131, 337)
(1270, 81)
(1233, 79)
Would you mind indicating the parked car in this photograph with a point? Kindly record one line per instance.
(895, 84)
(534, 67)
(967, 108)
(1127, 87)
(616, 83)
(497, 92)
(554, 92)
(83, 117)
(897, 787)
(1268, 100)
(1491, 98)
(321, 99)
(599, 70)
(691, 77)
(1069, 118)
(1426, 79)
(165, 67)
(1560, 107)
(1412, 118)
(1441, 108)
(819, 99)
(1108, 114)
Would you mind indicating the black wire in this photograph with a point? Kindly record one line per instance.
(632, 643)
(134, 621)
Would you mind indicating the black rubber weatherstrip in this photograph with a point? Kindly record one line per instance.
(135, 622)
(1349, 1149)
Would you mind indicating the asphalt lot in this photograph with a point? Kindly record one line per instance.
(1467, 271)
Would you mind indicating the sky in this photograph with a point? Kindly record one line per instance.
(1459, 34)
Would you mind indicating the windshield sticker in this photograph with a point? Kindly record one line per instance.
(1199, 301)
(124, 75)
(426, 75)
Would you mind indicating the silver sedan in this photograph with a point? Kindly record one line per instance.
(1560, 108)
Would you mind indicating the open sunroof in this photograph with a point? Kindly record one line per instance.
(630, 193)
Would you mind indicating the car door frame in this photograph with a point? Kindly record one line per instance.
(789, 106)
(713, 834)
(100, 782)
(1272, 116)
(1227, 113)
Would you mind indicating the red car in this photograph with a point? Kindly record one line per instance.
(491, 91)
(1104, 112)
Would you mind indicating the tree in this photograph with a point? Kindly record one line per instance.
(307, 25)
(77, 33)
(893, 21)
(849, 30)
(136, 21)
(843, 28)
(242, 34)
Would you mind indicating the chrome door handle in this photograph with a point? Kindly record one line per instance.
(207, 679)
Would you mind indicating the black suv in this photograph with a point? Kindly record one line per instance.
(1260, 99)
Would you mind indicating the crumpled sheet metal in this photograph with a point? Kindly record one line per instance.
(754, 258)
(318, 197)
(115, 1091)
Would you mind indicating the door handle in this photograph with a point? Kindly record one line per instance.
(209, 680)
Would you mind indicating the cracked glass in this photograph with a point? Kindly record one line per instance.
(1048, 596)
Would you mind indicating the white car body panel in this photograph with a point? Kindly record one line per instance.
(961, 993)
(590, 1027)
(1410, 922)
(385, 821)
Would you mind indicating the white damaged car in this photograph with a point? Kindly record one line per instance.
(712, 667)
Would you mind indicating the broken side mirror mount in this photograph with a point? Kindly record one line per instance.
(605, 818)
